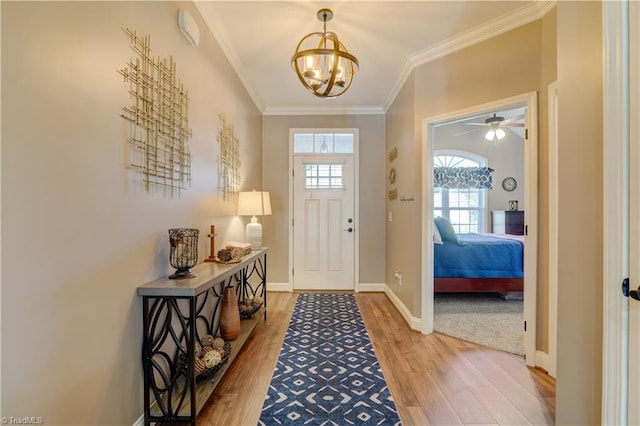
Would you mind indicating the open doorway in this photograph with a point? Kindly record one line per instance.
(478, 188)
(527, 198)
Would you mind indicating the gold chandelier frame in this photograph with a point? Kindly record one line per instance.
(327, 70)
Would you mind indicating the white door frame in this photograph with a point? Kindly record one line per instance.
(356, 198)
(528, 100)
(616, 213)
(552, 102)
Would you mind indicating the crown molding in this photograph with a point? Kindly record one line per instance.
(495, 27)
(213, 23)
(331, 110)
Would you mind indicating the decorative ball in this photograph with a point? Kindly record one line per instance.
(257, 301)
(220, 351)
(211, 359)
(217, 343)
(199, 366)
(207, 340)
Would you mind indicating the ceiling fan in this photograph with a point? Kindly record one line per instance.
(495, 125)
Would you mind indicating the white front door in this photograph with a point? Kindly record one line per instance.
(324, 228)
(634, 213)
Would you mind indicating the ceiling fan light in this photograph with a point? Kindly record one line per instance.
(490, 135)
(500, 133)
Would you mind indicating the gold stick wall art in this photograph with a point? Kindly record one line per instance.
(159, 119)
(228, 160)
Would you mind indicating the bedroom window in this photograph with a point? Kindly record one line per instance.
(464, 207)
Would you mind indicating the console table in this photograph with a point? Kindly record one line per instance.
(176, 314)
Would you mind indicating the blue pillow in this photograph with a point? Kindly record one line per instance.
(446, 230)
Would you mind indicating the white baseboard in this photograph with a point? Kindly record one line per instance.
(140, 421)
(279, 287)
(372, 287)
(542, 360)
(413, 322)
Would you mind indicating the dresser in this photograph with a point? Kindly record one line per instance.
(507, 222)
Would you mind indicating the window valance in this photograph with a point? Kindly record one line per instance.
(462, 177)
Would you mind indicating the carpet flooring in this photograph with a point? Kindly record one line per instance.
(482, 318)
(327, 372)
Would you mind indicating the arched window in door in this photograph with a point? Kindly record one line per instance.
(464, 207)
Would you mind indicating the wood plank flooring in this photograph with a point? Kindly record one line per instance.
(434, 379)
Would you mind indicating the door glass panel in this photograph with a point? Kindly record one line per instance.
(344, 143)
(323, 143)
(324, 176)
(303, 142)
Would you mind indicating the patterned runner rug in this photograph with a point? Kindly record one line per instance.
(327, 372)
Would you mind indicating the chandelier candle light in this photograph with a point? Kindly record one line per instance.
(254, 203)
(322, 63)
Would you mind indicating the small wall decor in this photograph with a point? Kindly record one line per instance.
(228, 160)
(159, 118)
(393, 193)
(513, 204)
(392, 175)
(393, 154)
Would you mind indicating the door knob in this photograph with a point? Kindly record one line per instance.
(349, 220)
(635, 294)
(349, 229)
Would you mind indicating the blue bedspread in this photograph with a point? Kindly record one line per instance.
(481, 256)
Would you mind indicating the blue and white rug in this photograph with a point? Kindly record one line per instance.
(327, 372)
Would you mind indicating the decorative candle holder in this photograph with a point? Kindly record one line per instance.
(183, 253)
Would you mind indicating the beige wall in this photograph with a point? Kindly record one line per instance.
(79, 233)
(460, 80)
(403, 241)
(580, 219)
(276, 175)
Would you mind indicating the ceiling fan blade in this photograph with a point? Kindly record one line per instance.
(464, 133)
(512, 125)
(476, 124)
(516, 118)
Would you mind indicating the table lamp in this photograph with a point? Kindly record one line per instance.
(254, 203)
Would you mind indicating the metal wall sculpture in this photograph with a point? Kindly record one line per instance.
(228, 160)
(159, 119)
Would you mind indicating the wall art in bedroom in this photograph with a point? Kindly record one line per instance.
(158, 116)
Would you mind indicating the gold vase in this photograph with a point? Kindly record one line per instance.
(229, 315)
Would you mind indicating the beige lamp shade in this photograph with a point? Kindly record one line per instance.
(254, 203)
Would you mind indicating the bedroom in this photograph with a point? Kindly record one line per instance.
(488, 308)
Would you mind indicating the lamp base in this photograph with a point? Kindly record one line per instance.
(254, 233)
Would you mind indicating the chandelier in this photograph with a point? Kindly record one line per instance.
(322, 63)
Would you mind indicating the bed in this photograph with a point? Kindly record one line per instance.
(479, 263)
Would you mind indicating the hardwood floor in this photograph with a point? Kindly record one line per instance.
(434, 379)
